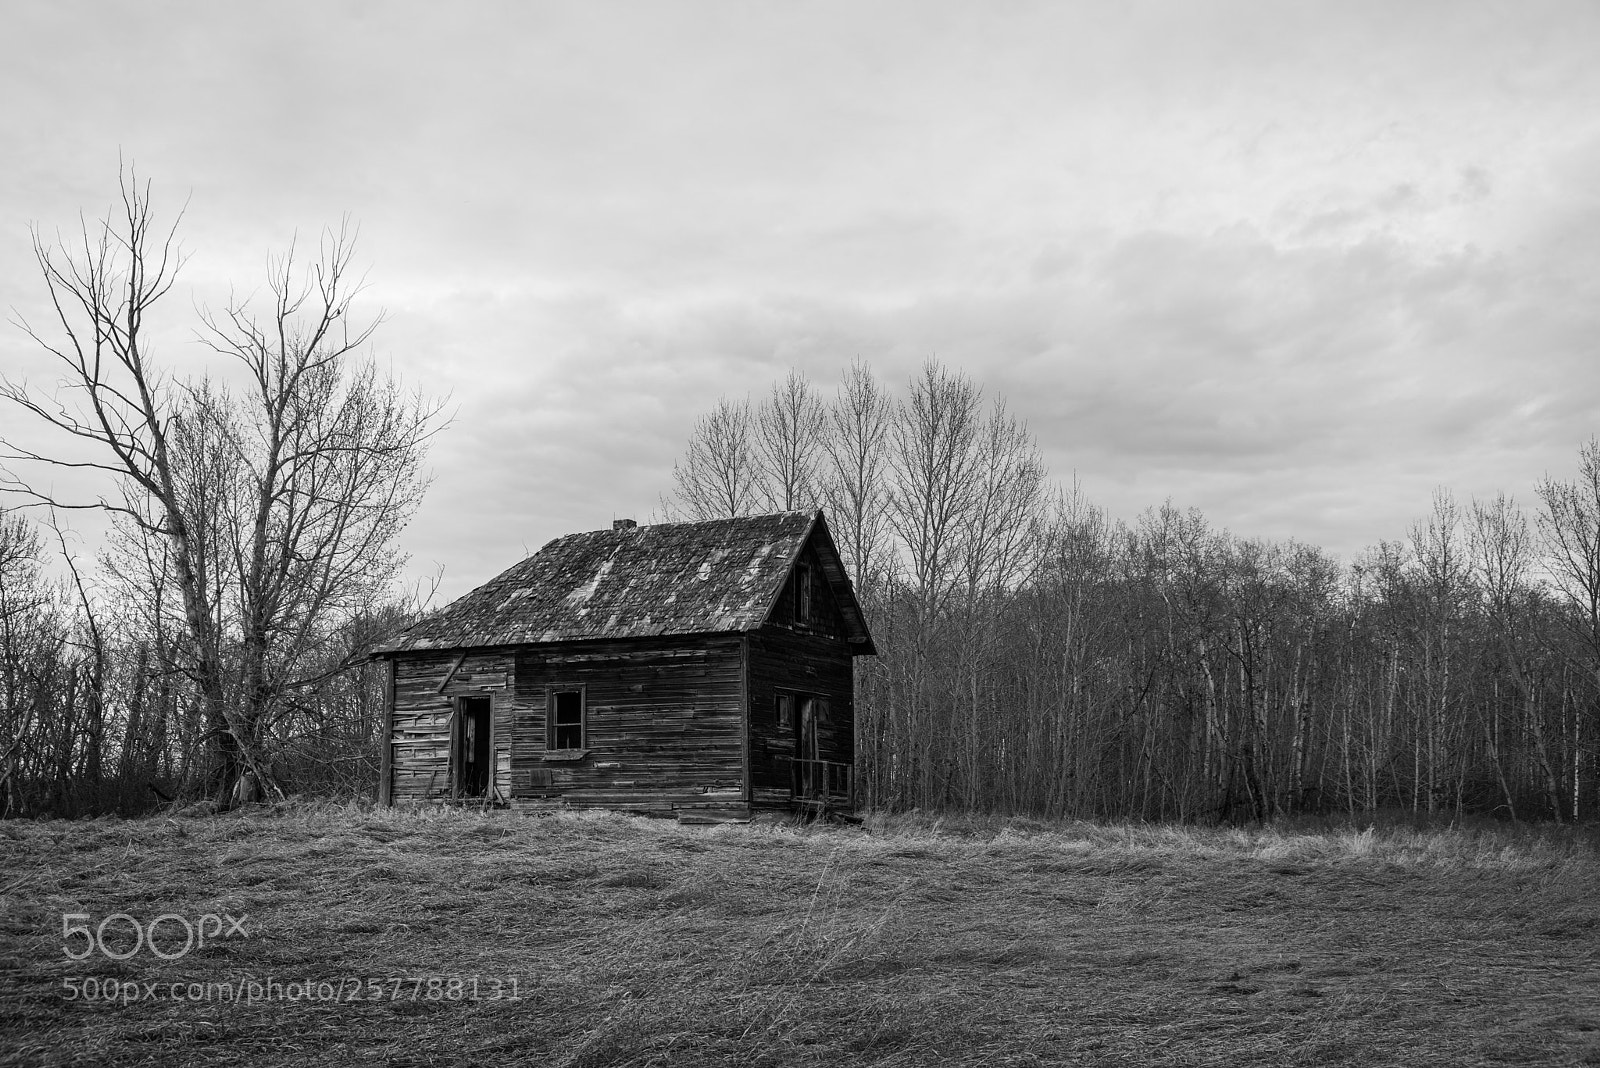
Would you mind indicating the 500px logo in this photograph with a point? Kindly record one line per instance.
(169, 925)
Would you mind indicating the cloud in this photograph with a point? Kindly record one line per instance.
(1293, 264)
(1318, 393)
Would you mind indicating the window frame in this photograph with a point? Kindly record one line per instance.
(550, 725)
(821, 710)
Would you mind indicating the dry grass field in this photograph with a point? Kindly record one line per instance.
(903, 942)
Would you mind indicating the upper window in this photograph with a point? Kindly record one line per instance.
(804, 594)
(565, 726)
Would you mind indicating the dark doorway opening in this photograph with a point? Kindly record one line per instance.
(474, 755)
(808, 747)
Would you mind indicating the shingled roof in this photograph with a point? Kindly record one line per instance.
(716, 576)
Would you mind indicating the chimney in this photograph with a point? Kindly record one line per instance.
(623, 524)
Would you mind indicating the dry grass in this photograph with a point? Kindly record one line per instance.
(906, 942)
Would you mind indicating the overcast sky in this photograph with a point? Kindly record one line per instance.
(1293, 264)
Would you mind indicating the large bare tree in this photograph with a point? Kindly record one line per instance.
(277, 502)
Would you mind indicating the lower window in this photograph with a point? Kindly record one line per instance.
(565, 726)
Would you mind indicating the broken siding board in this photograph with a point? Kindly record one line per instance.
(420, 727)
(448, 675)
(744, 717)
(386, 754)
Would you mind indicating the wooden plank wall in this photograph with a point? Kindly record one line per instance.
(804, 663)
(665, 724)
(420, 727)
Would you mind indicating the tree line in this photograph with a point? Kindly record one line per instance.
(1037, 656)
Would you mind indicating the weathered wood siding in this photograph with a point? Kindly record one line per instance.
(802, 657)
(804, 664)
(425, 688)
(665, 726)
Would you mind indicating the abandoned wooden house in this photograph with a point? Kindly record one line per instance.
(672, 667)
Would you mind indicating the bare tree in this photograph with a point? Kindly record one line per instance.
(1443, 572)
(1570, 525)
(788, 443)
(1001, 534)
(853, 487)
(277, 507)
(935, 463)
(325, 456)
(1501, 553)
(102, 289)
(716, 478)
